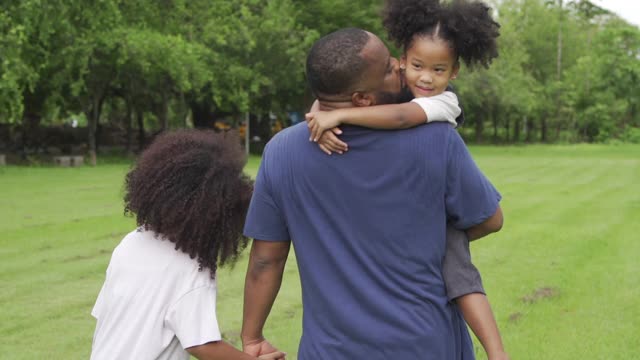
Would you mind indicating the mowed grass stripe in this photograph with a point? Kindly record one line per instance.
(62, 243)
(558, 273)
(56, 195)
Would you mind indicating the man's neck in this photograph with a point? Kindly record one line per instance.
(333, 105)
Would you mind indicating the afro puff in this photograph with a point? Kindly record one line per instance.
(465, 24)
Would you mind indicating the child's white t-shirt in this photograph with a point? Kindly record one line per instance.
(442, 107)
(154, 302)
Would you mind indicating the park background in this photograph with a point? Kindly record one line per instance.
(553, 122)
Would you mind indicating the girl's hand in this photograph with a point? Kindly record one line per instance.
(321, 121)
(329, 142)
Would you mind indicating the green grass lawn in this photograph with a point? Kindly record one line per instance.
(563, 276)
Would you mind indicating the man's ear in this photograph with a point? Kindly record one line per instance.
(403, 63)
(362, 99)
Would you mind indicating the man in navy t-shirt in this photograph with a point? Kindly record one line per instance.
(368, 227)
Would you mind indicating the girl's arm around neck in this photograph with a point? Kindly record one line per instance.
(443, 107)
(388, 117)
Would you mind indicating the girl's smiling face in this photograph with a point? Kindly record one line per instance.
(429, 64)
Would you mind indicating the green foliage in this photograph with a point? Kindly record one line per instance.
(566, 66)
(604, 87)
(325, 16)
(631, 135)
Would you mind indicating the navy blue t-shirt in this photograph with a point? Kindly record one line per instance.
(368, 230)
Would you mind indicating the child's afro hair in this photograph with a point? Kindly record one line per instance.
(466, 25)
(188, 187)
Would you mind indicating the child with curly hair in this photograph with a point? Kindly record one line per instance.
(434, 37)
(158, 301)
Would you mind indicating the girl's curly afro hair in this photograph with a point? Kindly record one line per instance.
(188, 186)
(466, 25)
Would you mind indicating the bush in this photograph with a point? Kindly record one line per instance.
(631, 135)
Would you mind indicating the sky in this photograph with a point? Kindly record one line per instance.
(626, 9)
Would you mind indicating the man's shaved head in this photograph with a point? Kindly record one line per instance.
(335, 65)
(350, 65)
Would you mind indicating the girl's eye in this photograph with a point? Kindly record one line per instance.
(416, 66)
(439, 70)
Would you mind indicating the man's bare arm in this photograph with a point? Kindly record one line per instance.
(262, 283)
(491, 225)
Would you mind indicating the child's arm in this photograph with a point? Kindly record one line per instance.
(329, 141)
(218, 350)
(464, 286)
(443, 107)
(477, 313)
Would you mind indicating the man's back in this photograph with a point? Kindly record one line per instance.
(368, 228)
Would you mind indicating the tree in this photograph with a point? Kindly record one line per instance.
(15, 75)
(605, 82)
(565, 65)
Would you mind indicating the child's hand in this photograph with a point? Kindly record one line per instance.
(321, 121)
(329, 142)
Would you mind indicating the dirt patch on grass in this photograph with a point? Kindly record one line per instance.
(86, 257)
(515, 317)
(541, 293)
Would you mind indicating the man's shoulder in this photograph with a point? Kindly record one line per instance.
(435, 139)
(289, 136)
(436, 129)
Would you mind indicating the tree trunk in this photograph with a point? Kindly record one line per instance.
(186, 111)
(163, 113)
(140, 120)
(129, 127)
(507, 128)
(494, 122)
(528, 128)
(559, 54)
(558, 130)
(558, 78)
(186, 117)
(93, 118)
(31, 118)
(543, 128)
(202, 112)
(479, 129)
(516, 131)
(30, 132)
